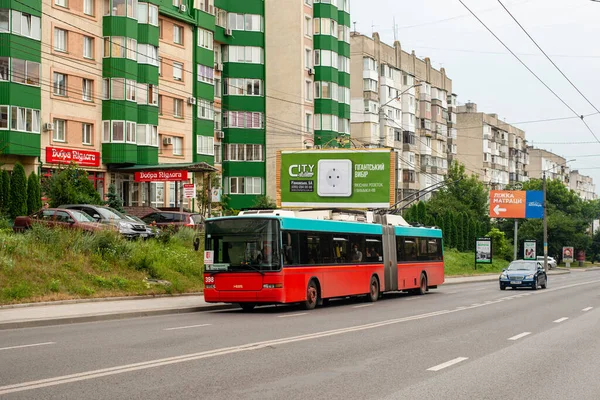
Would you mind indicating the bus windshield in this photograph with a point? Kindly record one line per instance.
(243, 244)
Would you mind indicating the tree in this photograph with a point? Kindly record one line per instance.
(5, 192)
(448, 234)
(72, 186)
(114, 201)
(34, 195)
(473, 233)
(264, 203)
(421, 212)
(18, 192)
(466, 220)
(460, 234)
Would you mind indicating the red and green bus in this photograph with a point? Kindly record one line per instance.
(264, 259)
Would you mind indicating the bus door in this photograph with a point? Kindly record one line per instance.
(389, 258)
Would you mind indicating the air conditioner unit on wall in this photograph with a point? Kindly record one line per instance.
(220, 134)
(168, 141)
(48, 126)
(228, 32)
(192, 101)
(311, 71)
(218, 67)
(182, 8)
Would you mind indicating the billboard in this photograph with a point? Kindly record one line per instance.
(516, 204)
(351, 178)
(483, 250)
(529, 248)
(568, 253)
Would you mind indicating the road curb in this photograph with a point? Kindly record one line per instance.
(109, 317)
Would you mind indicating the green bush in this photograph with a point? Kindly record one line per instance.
(5, 192)
(18, 192)
(34, 195)
(72, 186)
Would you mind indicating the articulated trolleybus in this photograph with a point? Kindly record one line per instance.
(278, 257)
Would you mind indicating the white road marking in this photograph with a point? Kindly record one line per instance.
(187, 327)
(447, 364)
(519, 336)
(94, 374)
(476, 304)
(561, 320)
(291, 315)
(412, 298)
(587, 309)
(363, 305)
(26, 345)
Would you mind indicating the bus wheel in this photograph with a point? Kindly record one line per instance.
(374, 290)
(423, 287)
(247, 306)
(312, 296)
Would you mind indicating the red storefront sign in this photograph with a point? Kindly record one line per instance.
(57, 155)
(159, 176)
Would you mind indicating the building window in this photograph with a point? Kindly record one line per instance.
(244, 54)
(132, 49)
(160, 103)
(147, 135)
(177, 146)
(26, 72)
(217, 88)
(4, 117)
(62, 3)
(253, 87)
(59, 130)
(217, 153)
(60, 84)
(86, 134)
(87, 89)
(307, 58)
(308, 25)
(205, 109)
(205, 145)
(242, 119)
(308, 85)
(26, 25)
(205, 39)
(131, 132)
(178, 108)
(308, 123)
(60, 40)
(131, 90)
(217, 120)
(24, 119)
(88, 47)
(178, 71)
(160, 28)
(117, 89)
(205, 5)
(88, 7)
(205, 74)
(4, 69)
(178, 34)
(118, 131)
(148, 54)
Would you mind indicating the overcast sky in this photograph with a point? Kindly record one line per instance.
(484, 72)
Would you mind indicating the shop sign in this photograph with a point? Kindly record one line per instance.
(84, 158)
(161, 176)
(189, 190)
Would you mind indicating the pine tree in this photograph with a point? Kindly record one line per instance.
(34, 195)
(473, 232)
(2, 201)
(460, 234)
(18, 192)
(114, 201)
(5, 189)
(450, 230)
(421, 212)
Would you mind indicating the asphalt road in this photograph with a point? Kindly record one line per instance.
(469, 341)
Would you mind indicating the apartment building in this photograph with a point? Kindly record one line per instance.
(414, 101)
(494, 150)
(136, 91)
(582, 185)
(308, 75)
(554, 166)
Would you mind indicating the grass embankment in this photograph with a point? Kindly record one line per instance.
(463, 264)
(51, 264)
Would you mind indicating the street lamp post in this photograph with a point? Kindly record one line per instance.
(546, 214)
(382, 115)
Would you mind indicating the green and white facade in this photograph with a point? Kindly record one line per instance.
(130, 85)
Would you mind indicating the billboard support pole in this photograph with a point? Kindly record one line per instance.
(545, 225)
(515, 241)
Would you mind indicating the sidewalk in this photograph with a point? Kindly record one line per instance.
(68, 312)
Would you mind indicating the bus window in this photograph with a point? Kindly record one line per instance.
(410, 249)
(434, 248)
(374, 249)
(422, 252)
(342, 249)
(400, 254)
(289, 249)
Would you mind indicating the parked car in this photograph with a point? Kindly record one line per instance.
(59, 217)
(175, 219)
(524, 273)
(151, 231)
(106, 215)
(551, 262)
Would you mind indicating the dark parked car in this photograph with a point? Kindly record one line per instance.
(58, 217)
(523, 273)
(175, 219)
(110, 216)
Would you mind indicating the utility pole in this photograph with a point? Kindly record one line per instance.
(515, 241)
(545, 225)
(382, 127)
